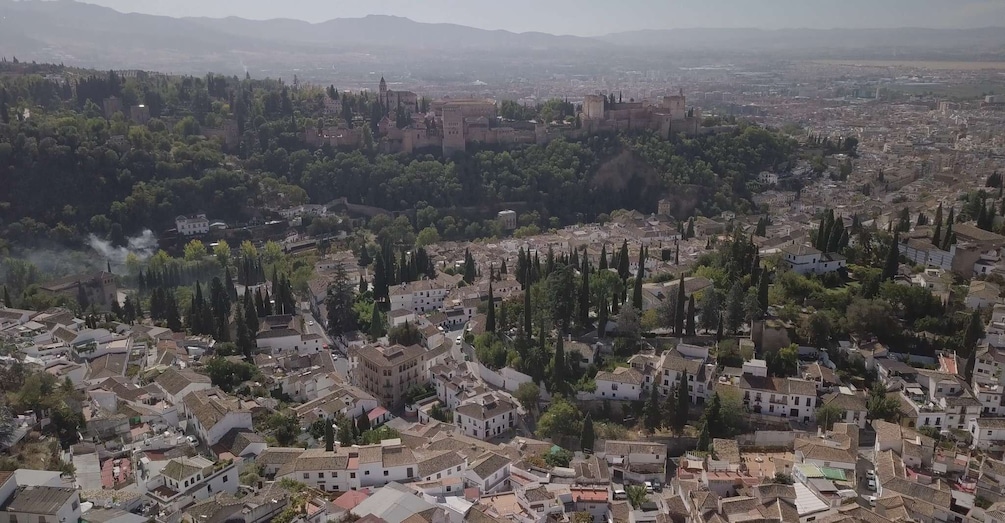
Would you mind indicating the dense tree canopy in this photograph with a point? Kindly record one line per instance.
(80, 173)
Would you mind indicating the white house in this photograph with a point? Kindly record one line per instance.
(352, 468)
(211, 414)
(636, 460)
(486, 416)
(281, 341)
(625, 384)
(42, 504)
(808, 260)
(186, 480)
(420, 296)
(982, 294)
(489, 472)
(988, 433)
(783, 397)
(192, 225)
(852, 404)
(178, 383)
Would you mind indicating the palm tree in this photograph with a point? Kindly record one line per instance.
(636, 495)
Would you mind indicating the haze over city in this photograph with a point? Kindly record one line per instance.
(600, 17)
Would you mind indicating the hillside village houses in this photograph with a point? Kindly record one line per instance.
(186, 443)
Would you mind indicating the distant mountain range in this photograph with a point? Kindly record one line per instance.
(90, 35)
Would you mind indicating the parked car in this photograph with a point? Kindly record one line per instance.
(620, 494)
(657, 486)
(649, 487)
(872, 484)
(193, 440)
(871, 500)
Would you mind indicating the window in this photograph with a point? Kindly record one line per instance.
(385, 473)
(225, 478)
(321, 475)
(367, 473)
(352, 475)
(307, 475)
(75, 505)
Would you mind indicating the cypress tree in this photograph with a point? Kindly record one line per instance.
(762, 291)
(948, 237)
(526, 306)
(377, 323)
(652, 409)
(603, 258)
(690, 316)
(584, 293)
(329, 436)
(588, 436)
(834, 242)
(637, 288)
(937, 230)
(678, 327)
(171, 314)
(624, 265)
(380, 283)
(892, 263)
(558, 366)
(683, 404)
(469, 267)
(490, 316)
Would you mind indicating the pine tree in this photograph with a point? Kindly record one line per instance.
(588, 437)
(490, 316)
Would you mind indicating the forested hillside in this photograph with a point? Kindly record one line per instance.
(66, 171)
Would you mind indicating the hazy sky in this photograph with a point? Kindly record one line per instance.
(595, 17)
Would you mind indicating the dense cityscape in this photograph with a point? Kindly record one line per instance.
(728, 288)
